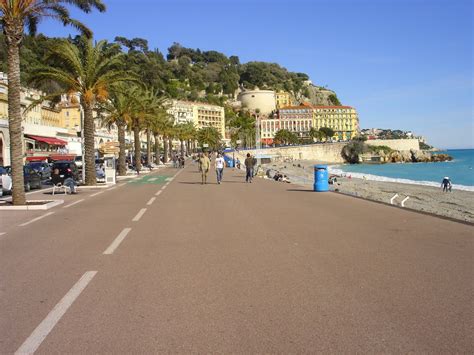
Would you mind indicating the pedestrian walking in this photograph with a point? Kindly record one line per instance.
(205, 164)
(219, 163)
(249, 164)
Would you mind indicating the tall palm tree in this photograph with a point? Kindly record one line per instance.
(118, 111)
(14, 16)
(210, 136)
(147, 103)
(157, 124)
(168, 133)
(89, 70)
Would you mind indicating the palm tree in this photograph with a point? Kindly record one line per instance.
(89, 70)
(14, 15)
(157, 125)
(118, 111)
(210, 136)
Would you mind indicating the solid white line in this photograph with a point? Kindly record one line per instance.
(159, 192)
(74, 203)
(44, 328)
(151, 201)
(97, 193)
(117, 241)
(112, 188)
(36, 219)
(139, 215)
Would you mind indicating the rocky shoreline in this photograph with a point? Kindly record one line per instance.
(411, 156)
(457, 204)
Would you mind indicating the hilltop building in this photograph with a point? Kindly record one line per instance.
(282, 99)
(263, 100)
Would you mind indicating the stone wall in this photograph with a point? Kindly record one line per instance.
(326, 152)
(397, 144)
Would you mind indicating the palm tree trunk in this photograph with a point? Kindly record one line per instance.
(170, 142)
(14, 116)
(138, 146)
(157, 149)
(165, 150)
(182, 147)
(89, 146)
(148, 146)
(122, 169)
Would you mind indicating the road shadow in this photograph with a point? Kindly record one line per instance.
(196, 183)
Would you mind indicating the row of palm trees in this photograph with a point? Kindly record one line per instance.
(95, 74)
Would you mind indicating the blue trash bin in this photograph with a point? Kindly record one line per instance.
(230, 163)
(321, 178)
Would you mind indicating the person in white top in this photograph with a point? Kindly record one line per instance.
(220, 163)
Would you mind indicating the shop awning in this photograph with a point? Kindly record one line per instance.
(48, 140)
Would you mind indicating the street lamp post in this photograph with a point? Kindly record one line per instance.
(258, 143)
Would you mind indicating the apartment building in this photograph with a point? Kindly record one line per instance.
(300, 119)
(200, 113)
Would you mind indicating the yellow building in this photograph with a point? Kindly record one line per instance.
(282, 99)
(70, 116)
(207, 115)
(342, 119)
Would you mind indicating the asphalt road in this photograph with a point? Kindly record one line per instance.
(152, 266)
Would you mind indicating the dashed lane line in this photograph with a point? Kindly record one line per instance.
(139, 215)
(117, 241)
(97, 193)
(36, 219)
(151, 201)
(158, 193)
(74, 203)
(46, 326)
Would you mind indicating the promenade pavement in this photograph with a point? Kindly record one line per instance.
(165, 264)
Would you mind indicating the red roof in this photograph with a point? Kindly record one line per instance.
(48, 140)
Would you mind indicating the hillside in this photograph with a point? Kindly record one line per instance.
(190, 74)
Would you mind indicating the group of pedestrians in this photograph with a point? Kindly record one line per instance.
(204, 164)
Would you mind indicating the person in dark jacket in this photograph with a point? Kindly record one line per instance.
(249, 165)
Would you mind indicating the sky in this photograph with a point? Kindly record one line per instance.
(403, 64)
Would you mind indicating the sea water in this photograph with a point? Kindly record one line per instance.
(460, 170)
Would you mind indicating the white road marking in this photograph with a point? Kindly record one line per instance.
(36, 219)
(151, 201)
(159, 192)
(152, 179)
(112, 188)
(170, 179)
(44, 328)
(117, 241)
(2, 233)
(164, 187)
(139, 215)
(97, 193)
(74, 203)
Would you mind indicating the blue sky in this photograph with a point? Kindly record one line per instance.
(404, 64)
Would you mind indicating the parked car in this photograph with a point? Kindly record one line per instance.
(44, 169)
(31, 179)
(67, 169)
